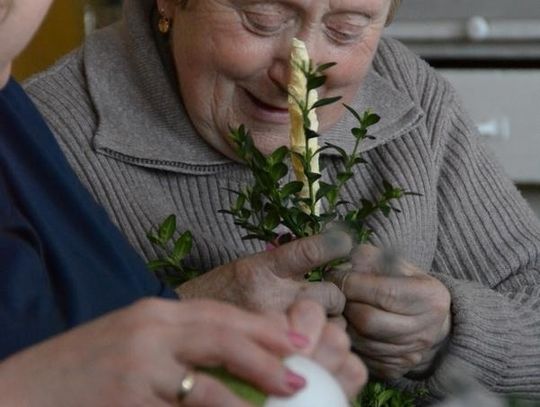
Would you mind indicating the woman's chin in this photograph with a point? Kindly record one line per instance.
(268, 143)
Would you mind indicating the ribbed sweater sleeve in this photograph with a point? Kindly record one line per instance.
(487, 255)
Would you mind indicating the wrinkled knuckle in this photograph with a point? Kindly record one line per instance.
(425, 342)
(413, 359)
(335, 299)
(310, 252)
(387, 296)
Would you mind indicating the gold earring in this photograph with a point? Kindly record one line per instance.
(164, 24)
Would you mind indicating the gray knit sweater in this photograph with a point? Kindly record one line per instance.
(125, 132)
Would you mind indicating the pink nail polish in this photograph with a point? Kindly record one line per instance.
(294, 381)
(298, 340)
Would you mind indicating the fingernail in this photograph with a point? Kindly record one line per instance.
(298, 340)
(294, 381)
(337, 239)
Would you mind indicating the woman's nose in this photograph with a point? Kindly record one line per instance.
(279, 73)
(280, 69)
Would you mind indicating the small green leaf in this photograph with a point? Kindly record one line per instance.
(259, 160)
(272, 220)
(291, 188)
(387, 186)
(182, 246)
(256, 201)
(340, 150)
(370, 119)
(344, 176)
(359, 132)
(153, 239)
(244, 213)
(327, 217)
(240, 202)
(353, 112)
(278, 171)
(323, 67)
(366, 203)
(385, 395)
(332, 196)
(316, 82)
(359, 160)
(312, 176)
(167, 228)
(325, 101)
(155, 265)
(324, 190)
(278, 155)
(310, 133)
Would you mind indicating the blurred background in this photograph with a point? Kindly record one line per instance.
(64, 29)
(488, 49)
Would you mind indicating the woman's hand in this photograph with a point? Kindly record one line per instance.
(273, 280)
(328, 344)
(139, 356)
(399, 317)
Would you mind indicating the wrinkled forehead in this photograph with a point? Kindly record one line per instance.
(394, 5)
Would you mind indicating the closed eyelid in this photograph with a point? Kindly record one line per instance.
(350, 20)
(266, 17)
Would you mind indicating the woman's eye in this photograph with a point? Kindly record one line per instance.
(347, 30)
(344, 37)
(264, 23)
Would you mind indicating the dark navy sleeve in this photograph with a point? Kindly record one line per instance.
(62, 261)
(28, 310)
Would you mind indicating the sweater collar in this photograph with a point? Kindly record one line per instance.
(153, 130)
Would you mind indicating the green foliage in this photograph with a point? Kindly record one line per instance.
(173, 247)
(377, 394)
(269, 202)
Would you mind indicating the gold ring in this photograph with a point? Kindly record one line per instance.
(186, 385)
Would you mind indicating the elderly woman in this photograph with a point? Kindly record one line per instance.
(143, 111)
(65, 264)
